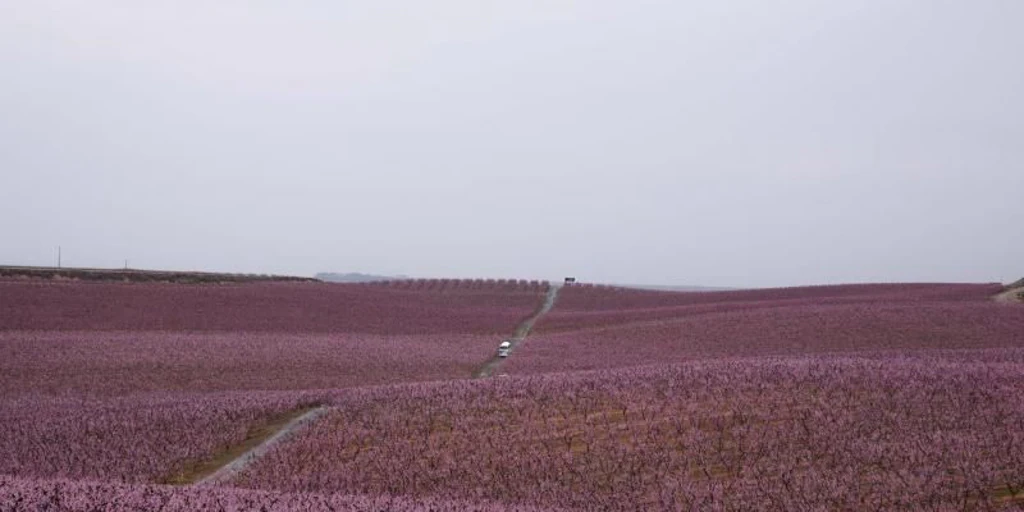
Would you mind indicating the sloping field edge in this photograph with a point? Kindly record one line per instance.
(228, 462)
(232, 468)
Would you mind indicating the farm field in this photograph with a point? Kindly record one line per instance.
(136, 275)
(417, 307)
(584, 307)
(597, 327)
(123, 363)
(157, 383)
(141, 439)
(124, 396)
(800, 433)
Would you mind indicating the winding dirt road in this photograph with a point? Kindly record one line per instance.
(521, 332)
(235, 466)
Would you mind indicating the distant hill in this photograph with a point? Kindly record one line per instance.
(676, 288)
(138, 275)
(355, 277)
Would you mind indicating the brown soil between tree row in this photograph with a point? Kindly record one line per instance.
(1004, 495)
(195, 471)
(1015, 294)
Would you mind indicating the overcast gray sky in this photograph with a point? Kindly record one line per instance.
(730, 143)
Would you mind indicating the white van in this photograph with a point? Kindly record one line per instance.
(504, 348)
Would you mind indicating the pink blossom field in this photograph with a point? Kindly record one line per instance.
(588, 306)
(123, 363)
(141, 439)
(413, 307)
(122, 396)
(884, 432)
(925, 319)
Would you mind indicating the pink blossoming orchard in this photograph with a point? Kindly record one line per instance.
(129, 396)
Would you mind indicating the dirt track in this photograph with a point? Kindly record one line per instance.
(521, 332)
(229, 470)
(235, 466)
(1012, 295)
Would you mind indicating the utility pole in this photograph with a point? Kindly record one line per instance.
(58, 256)
(126, 264)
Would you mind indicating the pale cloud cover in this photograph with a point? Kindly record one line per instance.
(736, 143)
